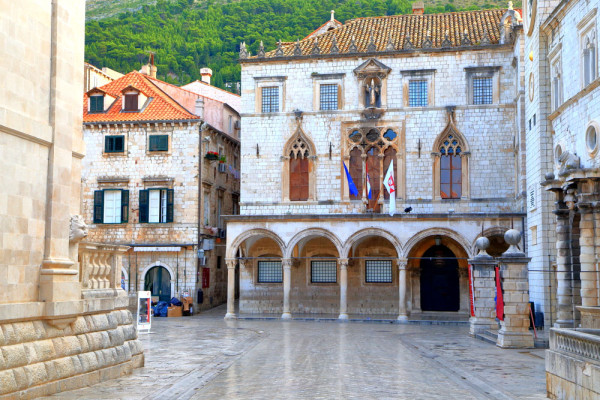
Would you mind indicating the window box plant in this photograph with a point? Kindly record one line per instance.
(212, 155)
(222, 159)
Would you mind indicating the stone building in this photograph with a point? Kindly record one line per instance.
(64, 322)
(562, 105)
(437, 99)
(149, 182)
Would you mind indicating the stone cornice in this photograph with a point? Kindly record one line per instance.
(355, 217)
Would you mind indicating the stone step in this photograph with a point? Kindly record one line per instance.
(488, 336)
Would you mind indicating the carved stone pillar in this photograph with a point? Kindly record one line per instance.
(564, 291)
(286, 263)
(484, 289)
(402, 285)
(231, 262)
(514, 330)
(589, 291)
(343, 263)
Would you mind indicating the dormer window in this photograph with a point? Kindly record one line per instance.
(97, 103)
(131, 102)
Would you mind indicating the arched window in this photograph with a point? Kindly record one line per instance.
(450, 166)
(356, 172)
(450, 169)
(299, 171)
(589, 59)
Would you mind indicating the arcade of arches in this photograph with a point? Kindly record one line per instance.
(369, 273)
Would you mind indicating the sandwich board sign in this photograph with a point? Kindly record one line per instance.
(144, 317)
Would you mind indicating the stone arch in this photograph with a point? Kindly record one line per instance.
(459, 239)
(313, 232)
(299, 134)
(159, 264)
(491, 231)
(236, 243)
(372, 232)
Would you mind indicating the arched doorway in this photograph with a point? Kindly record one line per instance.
(158, 282)
(440, 289)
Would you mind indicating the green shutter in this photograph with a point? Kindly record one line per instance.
(163, 142)
(98, 206)
(106, 144)
(143, 213)
(124, 205)
(170, 196)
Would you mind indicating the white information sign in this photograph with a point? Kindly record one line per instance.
(144, 314)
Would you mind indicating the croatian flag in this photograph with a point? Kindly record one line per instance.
(351, 186)
(390, 185)
(369, 193)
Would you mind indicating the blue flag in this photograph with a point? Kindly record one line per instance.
(351, 185)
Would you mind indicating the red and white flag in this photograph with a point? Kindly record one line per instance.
(390, 185)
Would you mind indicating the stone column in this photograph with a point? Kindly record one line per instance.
(402, 309)
(286, 263)
(589, 294)
(514, 330)
(231, 262)
(484, 289)
(343, 263)
(564, 292)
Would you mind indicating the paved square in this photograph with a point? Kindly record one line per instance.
(206, 357)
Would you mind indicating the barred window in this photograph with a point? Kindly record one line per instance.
(329, 97)
(482, 91)
(417, 93)
(270, 272)
(270, 99)
(378, 271)
(323, 272)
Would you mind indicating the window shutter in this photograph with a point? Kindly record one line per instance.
(124, 205)
(98, 206)
(106, 144)
(163, 142)
(339, 97)
(170, 196)
(143, 212)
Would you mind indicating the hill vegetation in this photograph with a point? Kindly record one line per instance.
(186, 35)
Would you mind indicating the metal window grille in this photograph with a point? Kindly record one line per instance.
(323, 272)
(270, 99)
(270, 272)
(417, 93)
(378, 271)
(329, 97)
(482, 90)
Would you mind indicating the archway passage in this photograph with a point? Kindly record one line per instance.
(440, 290)
(158, 282)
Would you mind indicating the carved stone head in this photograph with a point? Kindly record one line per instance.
(78, 229)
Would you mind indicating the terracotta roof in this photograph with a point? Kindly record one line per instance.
(161, 107)
(396, 29)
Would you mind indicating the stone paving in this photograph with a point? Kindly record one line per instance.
(206, 357)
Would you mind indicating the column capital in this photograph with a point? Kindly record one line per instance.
(287, 263)
(231, 262)
(343, 262)
(402, 262)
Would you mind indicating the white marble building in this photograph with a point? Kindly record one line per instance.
(440, 96)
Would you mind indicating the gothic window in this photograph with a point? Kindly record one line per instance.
(298, 172)
(450, 165)
(370, 152)
(589, 59)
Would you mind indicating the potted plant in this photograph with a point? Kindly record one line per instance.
(222, 159)
(211, 155)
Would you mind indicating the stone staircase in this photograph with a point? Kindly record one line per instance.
(491, 336)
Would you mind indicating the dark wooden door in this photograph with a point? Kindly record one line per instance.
(158, 282)
(440, 289)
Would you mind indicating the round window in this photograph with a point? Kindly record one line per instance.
(591, 139)
(355, 136)
(557, 153)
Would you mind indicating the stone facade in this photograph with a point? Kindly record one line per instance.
(202, 189)
(375, 77)
(56, 332)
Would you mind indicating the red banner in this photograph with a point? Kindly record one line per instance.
(499, 298)
(471, 291)
(205, 278)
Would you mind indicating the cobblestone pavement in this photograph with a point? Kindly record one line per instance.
(205, 357)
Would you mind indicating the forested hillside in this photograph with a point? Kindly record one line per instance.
(189, 34)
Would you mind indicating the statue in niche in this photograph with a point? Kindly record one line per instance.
(372, 94)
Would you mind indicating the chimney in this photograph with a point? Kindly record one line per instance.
(206, 73)
(418, 8)
(152, 66)
(199, 111)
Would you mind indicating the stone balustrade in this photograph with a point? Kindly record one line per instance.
(577, 342)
